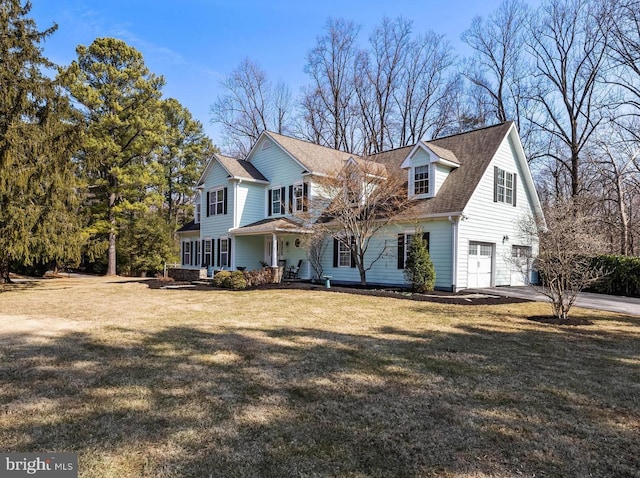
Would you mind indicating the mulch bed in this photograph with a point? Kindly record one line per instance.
(457, 298)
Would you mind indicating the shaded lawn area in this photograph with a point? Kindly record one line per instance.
(184, 383)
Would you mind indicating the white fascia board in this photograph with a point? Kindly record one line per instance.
(524, 166)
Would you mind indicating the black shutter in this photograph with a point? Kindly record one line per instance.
(425, 238)
(353, 251)
(183, 253)
(335, 252)
(515, 188)
(208, 214)
(191, 253)
(305, 195)
(270, 198)
(218, 258)
(495, 184)
(203, 258)
(229, 252)
(224, 199)
(290, 199)
(400, 251)
(283, 200)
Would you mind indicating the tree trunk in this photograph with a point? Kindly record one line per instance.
(4, 272)
(111, 268)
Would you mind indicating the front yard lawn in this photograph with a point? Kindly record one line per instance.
(279, 383)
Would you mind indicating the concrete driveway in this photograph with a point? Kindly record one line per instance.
(612, 303)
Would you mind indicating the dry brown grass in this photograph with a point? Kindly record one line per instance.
(184, 383)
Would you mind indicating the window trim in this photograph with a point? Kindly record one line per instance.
(276, 202)
(186, 253)
(216, 205)
(344, 252)
(422, 181)
(501, 190)
(429, 181)
(224, 243)
(297, 202)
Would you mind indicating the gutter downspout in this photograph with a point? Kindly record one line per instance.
(454, 252)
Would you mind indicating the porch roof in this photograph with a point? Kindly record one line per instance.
(271, 226)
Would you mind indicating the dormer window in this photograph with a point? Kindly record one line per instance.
(421, 180)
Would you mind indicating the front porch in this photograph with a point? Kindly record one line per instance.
(276, 243)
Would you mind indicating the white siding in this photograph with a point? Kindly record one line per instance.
(489, 222)
(441, 173)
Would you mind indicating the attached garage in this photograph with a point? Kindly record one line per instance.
(480, 267)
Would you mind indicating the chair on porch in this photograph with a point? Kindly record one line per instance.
(293, 272)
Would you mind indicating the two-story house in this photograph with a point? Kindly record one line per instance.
(470, 192)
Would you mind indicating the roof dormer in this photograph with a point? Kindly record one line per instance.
(427, 167)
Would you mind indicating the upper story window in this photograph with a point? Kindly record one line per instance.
(198, 210)
(217, 202)
(504, 186)
(297, 198)
(276, 201)
(421, 180)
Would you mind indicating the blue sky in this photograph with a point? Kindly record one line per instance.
(194, 43)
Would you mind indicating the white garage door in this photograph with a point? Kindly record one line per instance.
(479, 264)
(521, 262)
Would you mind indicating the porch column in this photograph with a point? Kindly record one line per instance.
(274, 250)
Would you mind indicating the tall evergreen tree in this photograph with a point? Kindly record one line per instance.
(182, 158)
(120, 99)
(38, 133)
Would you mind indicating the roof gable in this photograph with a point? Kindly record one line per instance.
(315, 159)
(235, 168)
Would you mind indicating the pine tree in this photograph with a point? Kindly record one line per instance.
(419, 269)
(120, 99)
(182, 157)
(39, 194)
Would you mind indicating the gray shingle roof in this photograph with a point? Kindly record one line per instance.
(271, 225)
(473, 150)
(241, 169)
(191, 226)
(315, 158)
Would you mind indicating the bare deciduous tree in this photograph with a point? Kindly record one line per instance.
(500, 67)
(568, 41)
(568, 241)
(250, 104)
(625, 50)
(329, 102)
(616, 156)
(355, 204)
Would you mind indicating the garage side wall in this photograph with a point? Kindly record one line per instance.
(496, 223)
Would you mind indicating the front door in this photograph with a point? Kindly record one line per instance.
(479, 269)
(268, 248)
